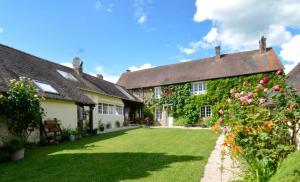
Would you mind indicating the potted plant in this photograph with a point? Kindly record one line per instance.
(72, 135)
(22, 113)
(16, 147)
(118, 124)
(101, 126)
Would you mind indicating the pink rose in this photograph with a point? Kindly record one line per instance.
(262, 100)
(250, 101)
(225, 129)
(250, 95)
(276, 88)
(221, 111)
(237, 95)
(278, 72)
(220, 120)
(259, 86)
(242, 99)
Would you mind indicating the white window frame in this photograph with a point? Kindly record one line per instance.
(198, 88)
(158, 113)
(100, 108)
(46, 87)
(207, 112)
(157, 92)
(119, 110)
(105, 108)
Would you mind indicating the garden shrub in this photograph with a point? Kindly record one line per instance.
(257, 120)
(181, 121)
(21, 108)
(289, 170)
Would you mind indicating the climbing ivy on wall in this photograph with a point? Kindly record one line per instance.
(182, 104)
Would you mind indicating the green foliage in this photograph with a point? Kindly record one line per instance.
(289, 170)
(14, 145)
(100, 125)
(181, 121)
(148, 113)
(118, 124)
(4, 155)
(21, 108)
(181, 103)
(260, 116)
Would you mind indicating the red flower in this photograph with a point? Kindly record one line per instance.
(276, 88)
(278, 72)
(265, 80)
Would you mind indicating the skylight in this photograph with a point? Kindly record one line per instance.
(45, 87)
(67, 75)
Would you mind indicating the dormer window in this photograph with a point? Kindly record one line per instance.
(157, 92)
(198, 88)
(45, 87)
(67, 75)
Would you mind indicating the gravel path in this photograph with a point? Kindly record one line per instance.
(219, 169)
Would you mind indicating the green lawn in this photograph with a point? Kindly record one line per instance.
(131, 155)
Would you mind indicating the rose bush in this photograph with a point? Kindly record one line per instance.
(260, 123)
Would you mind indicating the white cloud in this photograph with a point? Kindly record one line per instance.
(141, 10)
(1, 30)
(144, 66)
(142, 19)
(70, 65)
(212, 35)
(239, 24)
(184, 60)
(107, 7)
(106, 76)
(98, 4)
(290, 52)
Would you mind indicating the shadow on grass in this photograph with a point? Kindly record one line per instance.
(110, 167)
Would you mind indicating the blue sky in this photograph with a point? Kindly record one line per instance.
(113, 35)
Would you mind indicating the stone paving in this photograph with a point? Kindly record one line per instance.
(219, 169)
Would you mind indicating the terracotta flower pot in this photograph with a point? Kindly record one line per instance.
(17, 155)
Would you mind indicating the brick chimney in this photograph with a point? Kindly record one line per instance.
(263, 44)
(100, 76)
(77, 64)
(218, 52)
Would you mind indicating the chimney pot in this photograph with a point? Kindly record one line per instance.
(218, 52)
(77, 64)
(100, 76)
(263, 44)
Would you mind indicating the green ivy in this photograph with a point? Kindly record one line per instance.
(181, 103)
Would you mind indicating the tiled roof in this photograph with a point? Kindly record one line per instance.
(228, 65)
(294, 78)
(15, 63)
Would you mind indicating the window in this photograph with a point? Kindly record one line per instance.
(157, 92)
(67, 75)
(158, 113)
(119, 110)
(198, 88)
(111, 109)
(105, 108)
(100, 108)
(205, 111)
(45, 87)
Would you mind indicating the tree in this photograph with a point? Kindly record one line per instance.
(21, 108)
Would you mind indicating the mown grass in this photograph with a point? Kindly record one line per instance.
(132, 155)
